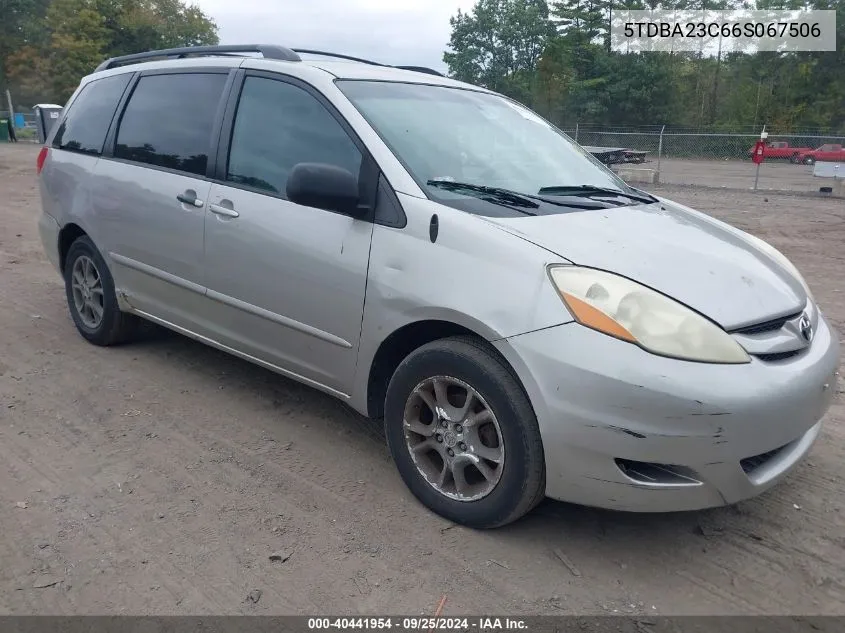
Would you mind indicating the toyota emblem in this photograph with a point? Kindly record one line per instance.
(806, 328)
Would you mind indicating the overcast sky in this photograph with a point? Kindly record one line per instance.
(412, 32)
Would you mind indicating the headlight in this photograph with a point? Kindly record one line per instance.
(628, 311)
(781, 259)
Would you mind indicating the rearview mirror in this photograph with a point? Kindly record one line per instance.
(326, 187)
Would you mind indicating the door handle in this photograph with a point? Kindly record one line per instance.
(190, 199)
(224, 211)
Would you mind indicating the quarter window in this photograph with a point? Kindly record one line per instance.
(169, 119)
(279, 125)
(88, 118)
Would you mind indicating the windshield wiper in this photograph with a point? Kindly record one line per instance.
(520, 201)
(594, 190)
(493, 194)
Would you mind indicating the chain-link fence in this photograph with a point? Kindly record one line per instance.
(723, 159)
(24, 122)
(675, 156)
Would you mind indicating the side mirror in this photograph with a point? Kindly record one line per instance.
(325, 187)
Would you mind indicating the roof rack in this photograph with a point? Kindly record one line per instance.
(306, 51)
(267, 51)
(419, 69)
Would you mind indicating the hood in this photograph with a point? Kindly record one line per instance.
(697, 260)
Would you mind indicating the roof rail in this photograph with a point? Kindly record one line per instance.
(306, 51)
(419, 69)
(268, 51)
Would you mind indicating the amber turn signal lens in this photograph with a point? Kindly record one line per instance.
(594, 318)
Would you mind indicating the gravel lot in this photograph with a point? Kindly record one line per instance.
(159, 478)
(775, 175)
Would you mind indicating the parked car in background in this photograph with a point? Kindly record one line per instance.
(829, 152)
(616, 155)
(781, 150)
(524, 322)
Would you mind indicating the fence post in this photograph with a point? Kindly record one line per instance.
(660, 150)
(763, 136)
(576, 131)
(11, 108)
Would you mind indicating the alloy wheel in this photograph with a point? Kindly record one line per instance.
(87, 291)
(454, 438)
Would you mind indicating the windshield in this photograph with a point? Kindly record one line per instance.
(453, 134)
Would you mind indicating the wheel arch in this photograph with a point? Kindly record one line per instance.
(400, 343)
(68, 234)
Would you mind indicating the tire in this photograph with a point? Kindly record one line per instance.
(521, 473)
(809, 160)
(113, 326)
(794, 159)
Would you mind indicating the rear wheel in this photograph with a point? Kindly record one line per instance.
(463, 434)
(809, 160)
(91, 298)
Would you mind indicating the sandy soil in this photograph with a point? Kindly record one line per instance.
(160, 477)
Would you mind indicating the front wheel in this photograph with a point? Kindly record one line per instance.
(809, 160)
(464, 435)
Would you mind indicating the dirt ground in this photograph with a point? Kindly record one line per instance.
(775, 175)
(158, 478)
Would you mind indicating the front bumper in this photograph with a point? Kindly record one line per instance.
(599, 400)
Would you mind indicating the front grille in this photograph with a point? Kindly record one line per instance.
(750, 464)
(773, 358)
(768, 326)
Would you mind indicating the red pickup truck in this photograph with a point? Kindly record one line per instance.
(781, 149)
(829, 152)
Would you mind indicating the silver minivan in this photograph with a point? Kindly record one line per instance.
(440, 257)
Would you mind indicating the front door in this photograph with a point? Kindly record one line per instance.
(286, 283)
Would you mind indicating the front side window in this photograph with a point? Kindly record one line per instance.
(169, 119)
(88, 118)
(278, 126)
(451, 134)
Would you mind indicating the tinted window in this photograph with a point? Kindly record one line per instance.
(87, 122)
(168, 121)
(279, 125)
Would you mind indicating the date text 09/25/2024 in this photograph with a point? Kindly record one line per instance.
(422, 623)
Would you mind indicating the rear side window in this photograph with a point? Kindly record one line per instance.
(168, 121)
(279, 125)
(88, 117)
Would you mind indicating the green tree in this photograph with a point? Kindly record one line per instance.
(143, 25)
(19, 28)
(588, 17)
(77, 42)
(499, 43)
(577, 79)
(638, 86)
(47, 46)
